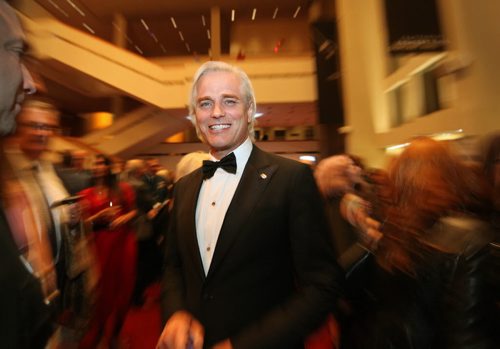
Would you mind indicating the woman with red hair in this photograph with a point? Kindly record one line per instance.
(429, 284)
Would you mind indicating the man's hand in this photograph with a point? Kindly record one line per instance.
(74, 214)
(182, 331)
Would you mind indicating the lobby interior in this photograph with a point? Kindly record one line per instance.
(120, 70)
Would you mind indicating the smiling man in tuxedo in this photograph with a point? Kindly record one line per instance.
(248, 261)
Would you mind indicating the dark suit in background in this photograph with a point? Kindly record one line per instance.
(25, 320)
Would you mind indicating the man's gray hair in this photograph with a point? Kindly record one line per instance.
(246, 90)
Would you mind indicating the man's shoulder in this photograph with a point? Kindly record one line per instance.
(260, 156)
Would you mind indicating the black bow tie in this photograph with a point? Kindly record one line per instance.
(227, 163)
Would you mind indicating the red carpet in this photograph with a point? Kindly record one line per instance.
(141, 328)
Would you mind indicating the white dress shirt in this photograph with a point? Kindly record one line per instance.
(214, 199)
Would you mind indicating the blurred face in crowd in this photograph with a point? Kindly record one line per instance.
(78, 159)
(152, 166)
(15, 79)
(222, 115)
(35, 127)
(100, 168)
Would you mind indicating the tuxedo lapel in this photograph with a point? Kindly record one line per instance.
(187, 212)
(254, 180)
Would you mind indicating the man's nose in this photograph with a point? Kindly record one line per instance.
(218, 110)
(28, 82)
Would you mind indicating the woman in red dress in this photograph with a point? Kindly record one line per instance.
(108, 208)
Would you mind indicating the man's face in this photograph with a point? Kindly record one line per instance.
(78, 159)
(152, 166)
(222, 115)
(35, 128)
(14, 77)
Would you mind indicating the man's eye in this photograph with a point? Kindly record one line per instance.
(205, 104)
(230, 101)
(16, 47)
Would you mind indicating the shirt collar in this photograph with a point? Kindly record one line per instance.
(242, 154)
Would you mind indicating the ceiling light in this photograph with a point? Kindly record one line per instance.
(275, 13)
(76, 7)
(173, 22)
(144, 24)
(232, 15)
(138, 49)
(154, 37)
(208, 34)
(187, 47)
(163, 48)
(254, 12)
(58, 8)
(88, 28)
(203, 20)
(296, 12)
(448, 135)
(396, 149)
(180, 34)
(310, 158)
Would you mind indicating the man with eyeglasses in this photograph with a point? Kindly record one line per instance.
(25, 317)
(37, 123)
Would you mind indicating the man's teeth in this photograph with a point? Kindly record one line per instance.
(218, 127)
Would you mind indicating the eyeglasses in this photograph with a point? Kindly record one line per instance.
(38, 126)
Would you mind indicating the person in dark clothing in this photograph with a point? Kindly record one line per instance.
(248, 259)
(25, 320)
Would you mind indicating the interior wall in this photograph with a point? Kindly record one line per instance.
(470, 65)
(256, 38)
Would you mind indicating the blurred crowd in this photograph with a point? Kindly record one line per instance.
(83, 237)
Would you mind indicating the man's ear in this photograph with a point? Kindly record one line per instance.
(250, 112)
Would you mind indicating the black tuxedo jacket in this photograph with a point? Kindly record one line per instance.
(273, 276)
(25, 320)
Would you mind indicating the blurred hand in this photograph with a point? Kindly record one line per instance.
(109, 213)
(152, 213)
(74, 214)
(118, 222)
(181, 331)
(356, 211)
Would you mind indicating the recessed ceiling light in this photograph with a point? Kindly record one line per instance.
(76, 7)
(203, 20)
(173, 22)
(254, 12)
(208, 34)
(275, 13)
(296, 12)
(144, 24)
(181, 36)
(88, 28)
(232, 15)
(58, 8)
